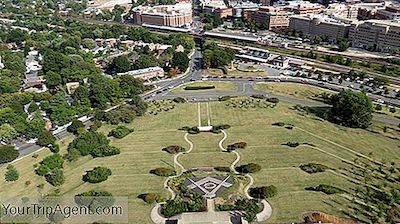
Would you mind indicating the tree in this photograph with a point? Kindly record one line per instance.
(121, 64)
(56, 177)
(88, 43)
(7, 133)
(120, 132)
(264, 192)
(88, 142)
(249, 168)
(352, 109)
(46, 138)
(7, 153)
(49, 164)
(163, 171)
(180, 60)
(12, 174)
(97, 175)
(53, 79)
(75, 125)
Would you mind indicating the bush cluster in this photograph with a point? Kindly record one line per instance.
(185, 202)
(8, 153)
(190, 130)
(248, 168)
(51, 168)
(90, 143)
(95, 126)
(150, 198)
(97, 175)
(74, 126)
(237, 145)
(222, 169)
(124, 114)
(292, 144)
(313, 168)
(173, 149)
(264, 192)
(120, 132)
(218, 128)
(163, 171)
(179, 100)
(250, 207)
(327, 189)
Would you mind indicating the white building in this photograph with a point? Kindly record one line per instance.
(146, 73)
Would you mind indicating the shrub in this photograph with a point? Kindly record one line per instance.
(248, 168)
(124, 114)
(104, 151)
(97, 175)
(224, 98)
(150, 198)
(292, 144)
(392, 110)
(199, 87)
(273, 100)
(264, 192)
(227, 207)
(237, 145)
(222, 169)
(46, 138)
(179, 100)
(313, 168)
(163, 171)
(49, 164)
(173, 149)
(258, 96)
(280, 124)
(95, 126)
(327, 189)
(11, 174)
(120, 132)
(378, 107)
(250, 207)
(54, 148)
(73, 128)
(7, 153)
(193, 130)
(56, 177)
(87, 142)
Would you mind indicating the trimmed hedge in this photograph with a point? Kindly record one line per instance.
(163, 172)
(8, 153)
(199, 87)
(173, 149)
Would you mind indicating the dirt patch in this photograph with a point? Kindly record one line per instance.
(316, 217)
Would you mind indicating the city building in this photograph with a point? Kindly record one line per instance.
(272, 18)
(381, 35)
(319, 25)
(302, 7)
(390, 12)
(241, 9)
(347, 11)
(33, 82)
(146, 73)
(178, 15)
(281, 61)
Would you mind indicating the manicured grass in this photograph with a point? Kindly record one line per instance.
(141, 151)
(219, 86)
(295, 90)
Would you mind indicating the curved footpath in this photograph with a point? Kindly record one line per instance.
(267, 209)
(155, 213)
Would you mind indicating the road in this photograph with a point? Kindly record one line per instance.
(244, 88)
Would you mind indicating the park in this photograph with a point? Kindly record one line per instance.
(282, 139)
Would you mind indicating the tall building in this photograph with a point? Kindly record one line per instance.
(271, 17)
(177, 15)
(318, 25)
(347, 11)
(379, 35)
(390, 12)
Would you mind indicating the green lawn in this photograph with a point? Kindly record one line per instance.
(141, 151)
(219, 86)
(294, 90)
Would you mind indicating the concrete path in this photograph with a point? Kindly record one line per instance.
(210, 205)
